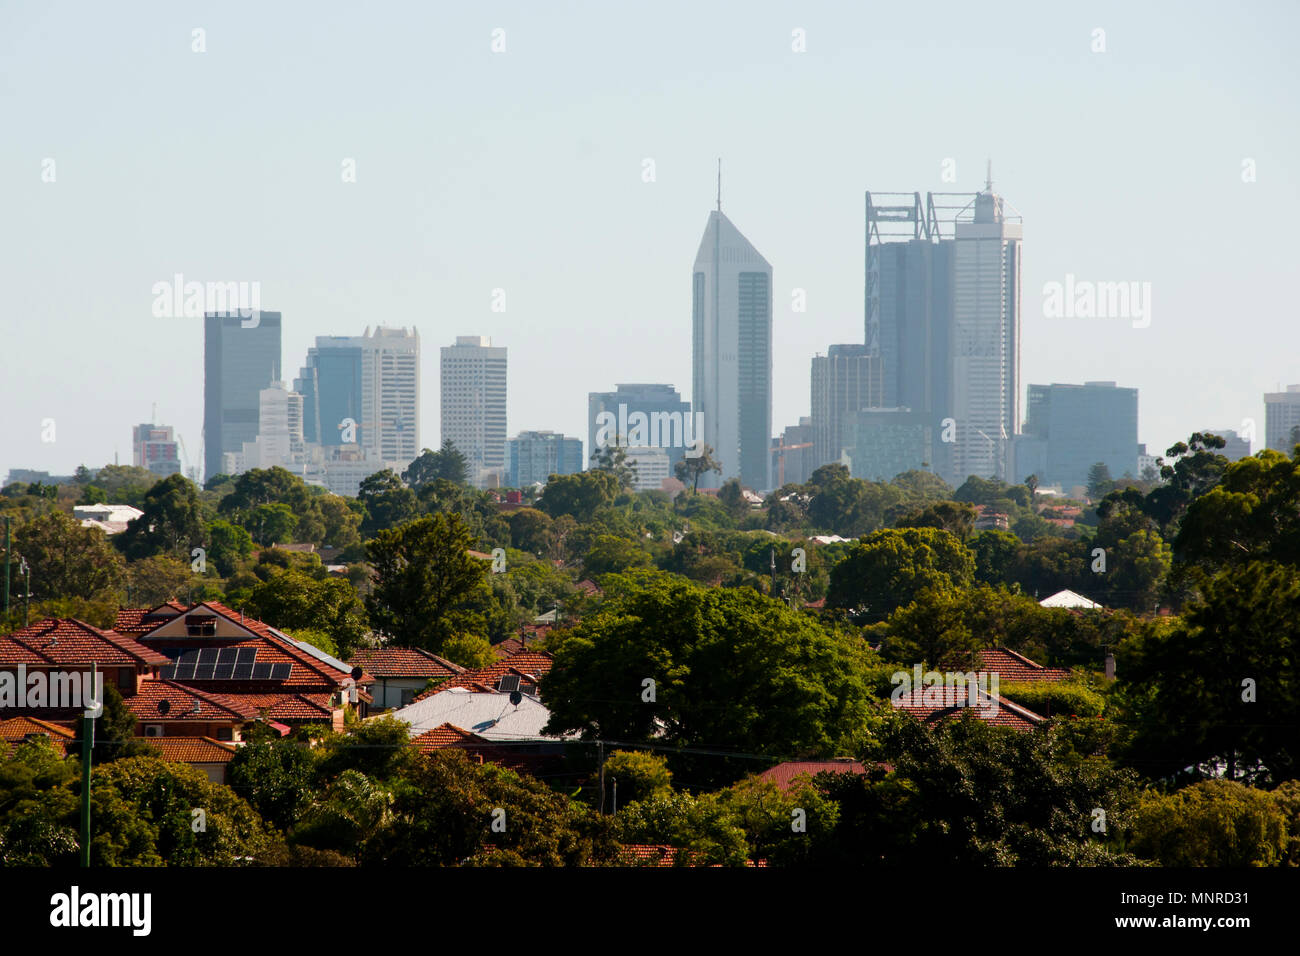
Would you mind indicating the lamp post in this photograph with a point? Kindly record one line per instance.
(26, 571)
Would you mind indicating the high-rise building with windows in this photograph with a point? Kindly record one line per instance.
(364, 390)
(731, 390)
(533, 456)
(943, 312)
(847, 379)
(1281, 416)
(155, 447)
(474, 406)
(240, 358)
(650, 415)
(1070, 428)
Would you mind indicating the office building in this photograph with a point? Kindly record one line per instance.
(652, 467)
(647, 415)
(155, 447)
(793, 458)
(533, 456)
(1070, 428)
(238, 362)
(474, 406)
(1281, 416)
(731, 390)
(885, 442)
(847, 379)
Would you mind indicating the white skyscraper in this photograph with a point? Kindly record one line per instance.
(731, 309)
(985, 340)
(474, 406)
(390, 394)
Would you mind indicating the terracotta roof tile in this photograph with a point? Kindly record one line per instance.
(403, 662)
(17, 729)
(67, 642)
(939, 702)
(527, 664)
(443, 736)
(180, 700)
(1013, 667)
(784, 774)
(193, 749)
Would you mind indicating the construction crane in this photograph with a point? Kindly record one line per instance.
(780, 459)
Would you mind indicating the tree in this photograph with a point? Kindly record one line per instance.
(641, 775)
(613, 459)
(612, 553)
(1231, 659)
(579, 494)
(954, 516)
(447, 464)
(387, 501)
(1099, 481)
(229, 546)
(996, 555)
(691, 470)
(732, 497)
(1197, 468)
(731, 670)
(296, 601)
(341, 518)
(531, 530)
(932, 630)
(152, 581)
(425, 579)
(848, 506)
(922, 486)
(1212, 823)
(888, 569)
(65, 559)
(172, 522)
(274, 774)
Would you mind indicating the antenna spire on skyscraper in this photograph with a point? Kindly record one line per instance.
(988, 183)
(719, 184)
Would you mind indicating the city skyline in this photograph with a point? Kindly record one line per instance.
(404, 245)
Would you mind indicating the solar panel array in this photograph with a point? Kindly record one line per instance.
(222, 663)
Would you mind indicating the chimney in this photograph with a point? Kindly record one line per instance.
(1110, 666)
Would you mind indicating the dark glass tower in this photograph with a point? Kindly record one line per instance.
(238, 362)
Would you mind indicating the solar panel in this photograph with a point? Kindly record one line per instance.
(208, 655)
(223, 672)
(184, 672)
(280, 672)
(204, 671)
(167, 672)
(228, 655)
(243, 671)
(509, 683)
(246, 655)
(261, 671)
(189, 657)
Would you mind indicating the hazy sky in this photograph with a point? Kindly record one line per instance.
(523, 171)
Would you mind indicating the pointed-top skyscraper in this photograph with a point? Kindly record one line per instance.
(731, 308)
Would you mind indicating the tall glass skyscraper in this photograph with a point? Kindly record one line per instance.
(238, 362)
(1070, 428)
(474, 406)
(731, 306)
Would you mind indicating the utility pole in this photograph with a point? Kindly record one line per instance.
(25, 569)
(600, 748)
(87, 745)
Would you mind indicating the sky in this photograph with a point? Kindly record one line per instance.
(1169, 157)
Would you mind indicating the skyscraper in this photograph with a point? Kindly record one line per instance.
(643, 415)
(847, 380)
(532, 457)
(370, 380)
(474, 406)
(1281, 415)
(1070, 428)
(731, 307)
(943, 312)
(239, 361)
(155, 447)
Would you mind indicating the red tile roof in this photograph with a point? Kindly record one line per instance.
(180, 700)
(403, 662)
(443, 736)
(1010, 666)
(531, 665)
(784, 774)
(297, 707)
(193, 749)
(17, 729)
(939, 702)
(67, 642)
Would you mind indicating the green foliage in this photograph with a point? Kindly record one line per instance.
(1211, 823)
(294, 600)
(172, 523)
(703, 826)
(229, 547)
(579, 494)
(641, 775)
(889, 569)
(274, 775)
(446, 464)
(612, 554)
(425, 580)
(1055, 698)
(66, 560)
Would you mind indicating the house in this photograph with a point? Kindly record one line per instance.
(942, 701)
(520, 671)
(1069, 599)
(1016, 668)
(785, 774)
(16, 730)
(210, 756)
(110, 519)
(402, 673)
(231, 657)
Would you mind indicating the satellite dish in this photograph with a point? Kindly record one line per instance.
(516, 698)
(164, 706)
(356, 673)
